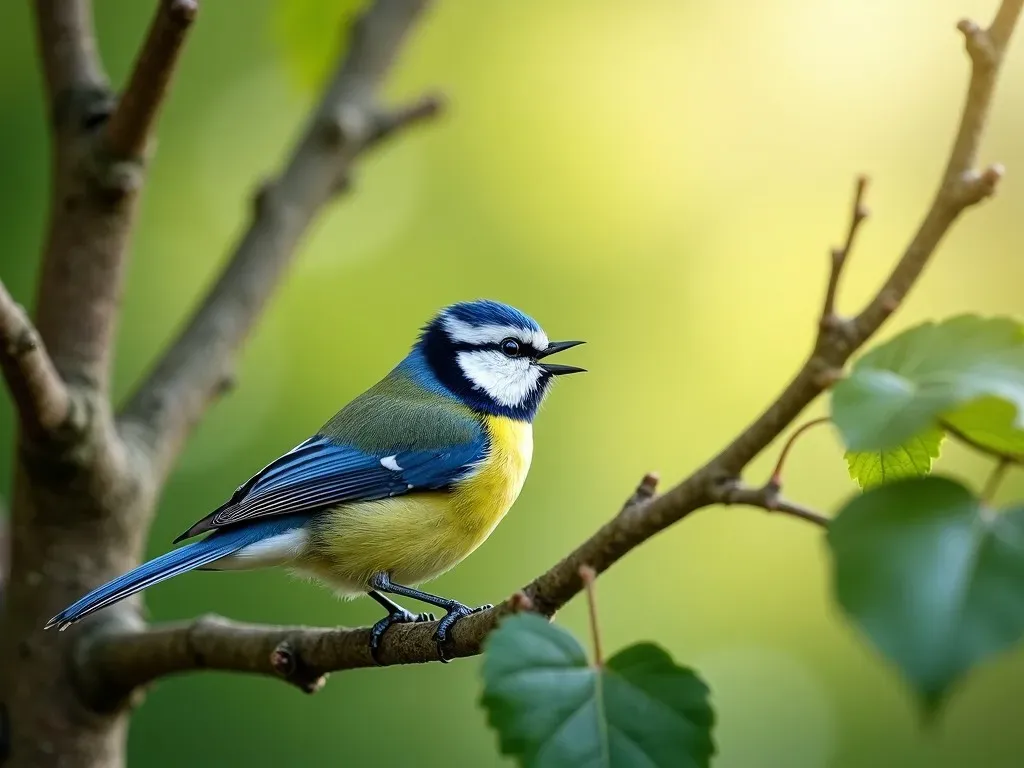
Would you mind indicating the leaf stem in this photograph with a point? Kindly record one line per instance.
(589, 575)
(776, 478)
(995, 479)
(970, 442)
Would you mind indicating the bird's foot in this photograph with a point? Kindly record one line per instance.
(456, 612)
(395, 617)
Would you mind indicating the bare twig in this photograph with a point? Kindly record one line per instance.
(1009, 458)
(588, 576)
(962, 185)
(348, 119)
(391, 121)
(995, 479)
(39, 394)
(129, 127)
(857, 216)
(767, 497)
(133, 658)
(776, 476)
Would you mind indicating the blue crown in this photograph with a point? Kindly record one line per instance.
(487, 312)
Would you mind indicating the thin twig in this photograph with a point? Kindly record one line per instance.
(776, 476)
(39, 394)
(963, 437)
(995, 480)
(405, 116)
(767, 497)
(962, 185)
(130, 126)
(134, 658)
(188, 377)
(857, 216)
(589, 576)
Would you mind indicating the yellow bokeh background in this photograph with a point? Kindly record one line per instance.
(661, 178)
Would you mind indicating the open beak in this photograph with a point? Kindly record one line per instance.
(554, 368)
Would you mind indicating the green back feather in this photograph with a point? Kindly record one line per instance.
(398, 414)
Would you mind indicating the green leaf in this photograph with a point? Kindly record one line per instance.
(935, 580)
(903, 387)
(552, 710)
(312, 34)
(989, 422)
(912, 459)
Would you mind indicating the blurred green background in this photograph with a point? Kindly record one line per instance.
(661, 178)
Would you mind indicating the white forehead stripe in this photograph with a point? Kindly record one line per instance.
(465, 333)
(508, 381)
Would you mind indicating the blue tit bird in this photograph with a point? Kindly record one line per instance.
(399, 486)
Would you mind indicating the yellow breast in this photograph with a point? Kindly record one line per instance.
(481, 500)
(416, 537)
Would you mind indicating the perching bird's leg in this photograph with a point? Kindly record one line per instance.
(454, 610)
(396, 615)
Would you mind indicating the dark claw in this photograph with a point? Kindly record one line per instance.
(456, 612)
(398, 617)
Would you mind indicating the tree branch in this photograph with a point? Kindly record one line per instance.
(123, 658)
(40, 396)
(67, 46)
(828, 312)
(347, 121)
(93, 199)
(129, 127)
(134, 658)
(962, 185)
(766, 497)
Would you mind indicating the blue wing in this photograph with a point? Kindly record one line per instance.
(320, 473)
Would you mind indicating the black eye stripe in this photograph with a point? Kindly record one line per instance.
(525, 350)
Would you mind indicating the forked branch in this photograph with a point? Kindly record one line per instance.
(134, 658)
(130, 126)
(839, 255)
(348, 120)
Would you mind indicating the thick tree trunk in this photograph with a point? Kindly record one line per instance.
(60, 549)
(86, 481)
(74, 524)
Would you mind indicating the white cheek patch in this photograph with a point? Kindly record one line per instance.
(464, 333)
(508, 381)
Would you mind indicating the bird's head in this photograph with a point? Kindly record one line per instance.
(493, 357)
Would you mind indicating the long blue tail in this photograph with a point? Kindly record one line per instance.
(189, 557)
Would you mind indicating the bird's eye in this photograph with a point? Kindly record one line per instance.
(510, 347)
